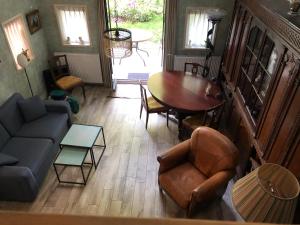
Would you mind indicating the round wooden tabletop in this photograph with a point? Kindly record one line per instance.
(184, 93)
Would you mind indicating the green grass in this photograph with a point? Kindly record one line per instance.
(155, 26)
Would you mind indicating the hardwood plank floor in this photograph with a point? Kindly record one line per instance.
(125, 183)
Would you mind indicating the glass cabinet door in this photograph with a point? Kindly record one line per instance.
(260, 63)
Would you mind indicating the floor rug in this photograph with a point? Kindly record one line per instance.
(138, 76)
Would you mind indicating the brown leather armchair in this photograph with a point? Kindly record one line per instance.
(198, 169)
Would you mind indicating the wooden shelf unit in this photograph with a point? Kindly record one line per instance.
(261, 69)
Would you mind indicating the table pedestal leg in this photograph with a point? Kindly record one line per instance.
(180, 117)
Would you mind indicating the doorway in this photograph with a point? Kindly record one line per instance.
(144, 18)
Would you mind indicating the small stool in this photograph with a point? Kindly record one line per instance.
(58, 95)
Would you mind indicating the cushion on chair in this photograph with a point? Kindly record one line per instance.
(153, 104)
(10, 115)
(52, 126)
(7, 159)
(193, 122)
(185, 176)
(32, 108)
(212, 152)
(69, 82)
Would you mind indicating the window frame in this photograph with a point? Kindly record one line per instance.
(187, 12)
(58, 21)
(27, 37)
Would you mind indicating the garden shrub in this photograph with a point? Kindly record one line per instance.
(138, 10)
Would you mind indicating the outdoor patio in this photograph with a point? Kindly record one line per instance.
(133, 68)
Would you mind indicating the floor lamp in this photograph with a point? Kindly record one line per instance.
(23, 61)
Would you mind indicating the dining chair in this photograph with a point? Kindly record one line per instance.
(209, 118)
(151, 105)
(194, 69)
(60, 72)
(197, 170)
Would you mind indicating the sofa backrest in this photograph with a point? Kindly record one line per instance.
(4, 136)
(10, 114)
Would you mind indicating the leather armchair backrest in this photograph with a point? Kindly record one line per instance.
(212, 152)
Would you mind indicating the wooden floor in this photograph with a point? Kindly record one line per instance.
(125, 183)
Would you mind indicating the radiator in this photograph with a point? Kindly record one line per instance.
(179, 61)
(85, 66)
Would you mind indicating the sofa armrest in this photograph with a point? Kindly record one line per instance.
(212, 186)
(59, 107)
(17, 184)
(174, 156)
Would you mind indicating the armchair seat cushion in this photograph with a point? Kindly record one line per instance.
(69, 82)
(185, 176)
(52, 126)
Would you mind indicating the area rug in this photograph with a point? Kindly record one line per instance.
(138, 76)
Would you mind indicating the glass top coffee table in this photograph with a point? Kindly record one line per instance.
(74, 148)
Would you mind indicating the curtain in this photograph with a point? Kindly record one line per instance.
(105, 62)
(73, 24)
(197, 27)
(17, 38)
(169, 34)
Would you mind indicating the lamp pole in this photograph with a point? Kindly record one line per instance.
(28, 82)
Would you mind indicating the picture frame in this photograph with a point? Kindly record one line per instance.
(33, 21)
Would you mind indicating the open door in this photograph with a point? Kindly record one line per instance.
(147, 38)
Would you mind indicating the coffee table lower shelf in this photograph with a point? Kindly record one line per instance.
(71, 156)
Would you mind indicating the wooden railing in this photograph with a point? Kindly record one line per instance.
(52, 219)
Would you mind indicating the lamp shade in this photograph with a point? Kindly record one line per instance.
(22, 60)
(267, 194)
(117, 43)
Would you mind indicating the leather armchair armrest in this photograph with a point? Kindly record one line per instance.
(59, 107)
(174, 156)
(17, 184)
(209, 188)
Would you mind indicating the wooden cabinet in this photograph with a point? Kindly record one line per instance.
(261, 67)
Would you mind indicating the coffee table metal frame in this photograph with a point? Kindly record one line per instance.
(81, 148)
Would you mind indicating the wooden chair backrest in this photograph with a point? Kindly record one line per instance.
(144, 100)
(212, 117)
(59, 66)
(194, 68)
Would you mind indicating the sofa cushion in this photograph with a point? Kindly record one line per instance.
(32, 108)
(4, 136)
(31, 152)
(7, 159)
(52, 126)
(10, 115)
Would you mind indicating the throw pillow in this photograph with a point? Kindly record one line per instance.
(32, 108)
(7, 159)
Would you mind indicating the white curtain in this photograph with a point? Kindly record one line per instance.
(73, 24)
(197, 27)
(17, 37)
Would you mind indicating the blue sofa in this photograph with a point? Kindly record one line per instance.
(34, 144)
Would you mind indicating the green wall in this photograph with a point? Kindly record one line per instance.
(12, 80)
(52, 31)
(222, 28)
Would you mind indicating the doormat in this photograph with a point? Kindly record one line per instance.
(138, 76)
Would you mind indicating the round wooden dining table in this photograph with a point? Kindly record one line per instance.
(186, 94)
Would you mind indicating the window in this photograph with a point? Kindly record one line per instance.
(72, 20)
(17, 37)
(197, 27)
